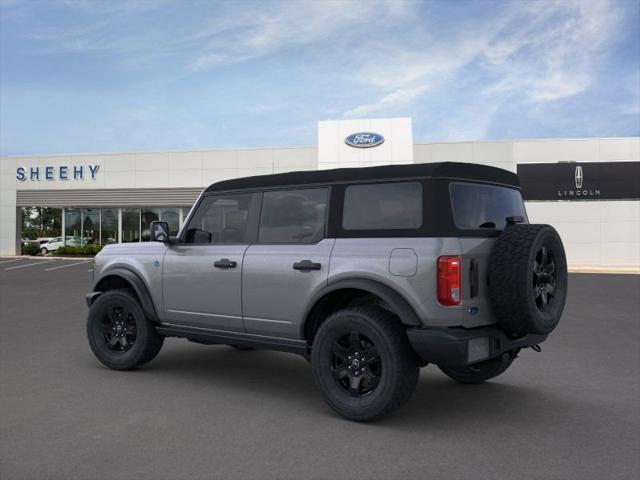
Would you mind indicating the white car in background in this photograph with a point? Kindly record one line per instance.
(56, 242)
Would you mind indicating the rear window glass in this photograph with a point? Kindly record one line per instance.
(383, 206)
(477, 206)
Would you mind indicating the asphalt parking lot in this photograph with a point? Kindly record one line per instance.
(197, 411)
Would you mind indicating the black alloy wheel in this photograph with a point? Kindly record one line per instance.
(356, 364)
(544, 282)
(119, 333)
(119, 328)
(363, 363)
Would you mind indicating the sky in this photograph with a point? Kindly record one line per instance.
(83, 76)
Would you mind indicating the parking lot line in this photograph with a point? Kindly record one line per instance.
(30, 264)
(65, 266)
(9, 261)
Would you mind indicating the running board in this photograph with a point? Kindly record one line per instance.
(214, 337)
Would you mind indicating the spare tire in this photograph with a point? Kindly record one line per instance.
(528, 279)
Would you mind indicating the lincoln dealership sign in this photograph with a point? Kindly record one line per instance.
(364, 140)
(580, 181)
(59, 172)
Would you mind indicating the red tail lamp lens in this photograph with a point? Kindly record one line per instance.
(449, 280)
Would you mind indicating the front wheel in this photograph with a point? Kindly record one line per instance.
(363, 363)
(479, 372)
(44, 251)
(120, 335)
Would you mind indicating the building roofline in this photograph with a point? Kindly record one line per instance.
(148, 152)
(244, 149)
(519, 140)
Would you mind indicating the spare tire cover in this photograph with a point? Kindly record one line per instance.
(528, 279)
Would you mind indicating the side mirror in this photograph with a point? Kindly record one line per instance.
(159, 232)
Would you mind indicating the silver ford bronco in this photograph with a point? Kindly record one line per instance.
(369, 273)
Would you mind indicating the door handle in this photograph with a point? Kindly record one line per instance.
(225, 263)
(305, 265)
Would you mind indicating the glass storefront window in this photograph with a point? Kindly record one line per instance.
(148, 215)
(109, 226)
(90, 226)
(172, 217)
(130, 224)
(86, 226)
(72, 226)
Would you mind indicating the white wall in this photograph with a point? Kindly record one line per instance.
(8, 210)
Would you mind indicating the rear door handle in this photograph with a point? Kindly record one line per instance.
(225, 263)
(305, 265)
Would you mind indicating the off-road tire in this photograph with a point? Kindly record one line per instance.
(479, 372)
(512, 277)
(147, 342)
(398, 365)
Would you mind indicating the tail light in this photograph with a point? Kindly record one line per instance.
(449, 280)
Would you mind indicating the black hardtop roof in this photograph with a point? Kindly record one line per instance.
(454, 170)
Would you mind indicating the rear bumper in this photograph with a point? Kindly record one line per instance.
(458, 347)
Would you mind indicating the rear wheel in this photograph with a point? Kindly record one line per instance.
(479, 372)
(363, 363)
(119, 334)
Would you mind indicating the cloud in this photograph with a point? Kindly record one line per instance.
(540, 52)
(396, 99)
(553, 56)
(151, 73)
(286, 25)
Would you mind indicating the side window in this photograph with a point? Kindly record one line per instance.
(383, 206)
(222, 219)
(293, 216)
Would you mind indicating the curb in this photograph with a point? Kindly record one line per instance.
(606, 270)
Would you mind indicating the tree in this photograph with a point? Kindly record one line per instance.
(41, 222)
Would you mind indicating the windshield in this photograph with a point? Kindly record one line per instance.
(477, 206)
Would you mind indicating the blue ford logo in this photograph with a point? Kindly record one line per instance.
(364, 139)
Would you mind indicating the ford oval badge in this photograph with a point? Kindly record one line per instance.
(364, 139)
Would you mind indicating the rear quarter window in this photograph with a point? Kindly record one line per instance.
(383, 206)
(477, 206)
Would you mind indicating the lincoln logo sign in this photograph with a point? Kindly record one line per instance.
(583, 181)
(60, 172)
(364, 139)
(579, 177)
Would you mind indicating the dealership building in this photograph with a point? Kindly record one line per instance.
(588, 188)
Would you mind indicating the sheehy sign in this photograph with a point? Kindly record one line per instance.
(580, 181)
(59, 172)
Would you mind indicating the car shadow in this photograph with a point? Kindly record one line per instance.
(437, 401)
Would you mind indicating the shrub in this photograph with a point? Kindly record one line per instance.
(83, 250)
(31, 249)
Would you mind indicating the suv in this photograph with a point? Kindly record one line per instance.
(369, 273)
(56, 242)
